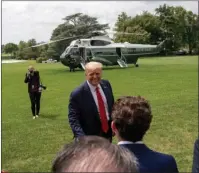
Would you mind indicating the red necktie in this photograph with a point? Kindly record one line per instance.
(102, 111)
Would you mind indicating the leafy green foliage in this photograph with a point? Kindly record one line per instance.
(10, 48)
(175, 24)
(40, 59)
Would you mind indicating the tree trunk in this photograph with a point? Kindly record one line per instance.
(190, 49)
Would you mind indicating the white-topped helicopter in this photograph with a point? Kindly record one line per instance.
(103, 49)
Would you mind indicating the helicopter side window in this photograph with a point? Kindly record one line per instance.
(99, 43)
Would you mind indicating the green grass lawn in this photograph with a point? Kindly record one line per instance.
(170, 84)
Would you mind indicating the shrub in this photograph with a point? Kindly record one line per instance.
(40, 59)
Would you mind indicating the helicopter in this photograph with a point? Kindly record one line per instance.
(104, 50)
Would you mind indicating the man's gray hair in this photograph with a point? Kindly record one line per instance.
(94, 154)
(93, 65)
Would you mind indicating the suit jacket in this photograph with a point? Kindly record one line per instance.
(152, 161)
(33, 80)
(195, 166)
(83, 114)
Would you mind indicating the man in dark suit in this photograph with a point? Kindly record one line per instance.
(131, 118)
(195, 166)
(90, 105)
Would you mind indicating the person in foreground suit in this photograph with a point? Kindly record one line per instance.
(131, 118)
(195, 166)
(81, 156)
(90, 105)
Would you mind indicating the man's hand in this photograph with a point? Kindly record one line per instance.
(28, 74)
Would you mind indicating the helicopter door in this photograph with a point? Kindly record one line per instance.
(121, 60)
(118, 51)
(82, 52)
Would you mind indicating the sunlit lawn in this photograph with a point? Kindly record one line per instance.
(170, 84)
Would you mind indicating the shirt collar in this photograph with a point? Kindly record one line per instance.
(93, 88)
(129, 142)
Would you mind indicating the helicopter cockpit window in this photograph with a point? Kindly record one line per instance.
(85, 43)
(67, 50)
(99, 43)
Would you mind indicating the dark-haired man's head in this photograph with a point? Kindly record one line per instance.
(131, 118)
(94, 154)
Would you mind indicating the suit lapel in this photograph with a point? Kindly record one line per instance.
(106, 93)
(91, 100)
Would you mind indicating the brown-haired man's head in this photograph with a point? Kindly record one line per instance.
(94, 154)
(131, 118)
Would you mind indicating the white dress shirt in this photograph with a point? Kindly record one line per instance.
(93, 91)
(129, 142)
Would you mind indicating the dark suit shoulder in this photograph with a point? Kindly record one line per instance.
(196, 144)
(163, 155)
(165, 159)
(77, 91)
(153, 160)
(105, 81)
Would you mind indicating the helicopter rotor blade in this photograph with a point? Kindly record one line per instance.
(123, 33)
(53, 41)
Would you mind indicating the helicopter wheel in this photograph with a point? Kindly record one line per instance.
(136, 65)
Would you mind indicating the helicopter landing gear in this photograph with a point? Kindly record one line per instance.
(72, 70)
(136, 65)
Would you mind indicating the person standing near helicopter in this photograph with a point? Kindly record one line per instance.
(72, 64)
(34, 89)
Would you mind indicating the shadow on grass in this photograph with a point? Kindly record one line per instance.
(49, 116)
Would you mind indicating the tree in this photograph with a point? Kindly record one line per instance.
(43, 51)
(190, 32)
(168, 26)
(52, 52)
(180, 26)
(151, 24)
(22, 45)
(122, 22)
(75, 25)
(139, 36)
(32, 53)
(127, 24)
(11, 48)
